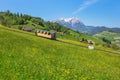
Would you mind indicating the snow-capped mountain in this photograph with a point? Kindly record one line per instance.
(70, 20)
(76, 24)
(73, 23)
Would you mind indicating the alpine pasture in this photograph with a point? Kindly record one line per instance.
(28, 57)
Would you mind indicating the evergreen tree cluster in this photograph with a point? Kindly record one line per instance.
(106, 40)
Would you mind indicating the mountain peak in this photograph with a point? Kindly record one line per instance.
(72, 19)
(75, 24)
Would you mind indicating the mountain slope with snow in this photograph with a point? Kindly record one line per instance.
(76, 24)
(73, 23)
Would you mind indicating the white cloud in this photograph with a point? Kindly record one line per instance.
(83, 6)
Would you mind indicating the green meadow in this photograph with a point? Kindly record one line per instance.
(28, 57)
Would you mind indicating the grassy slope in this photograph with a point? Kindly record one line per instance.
(23, 56)
(112, 36)
(109, 35)
(78, 37)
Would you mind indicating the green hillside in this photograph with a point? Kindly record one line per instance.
(112, 36)
(108, 34)
(24, 56)
(21, 21)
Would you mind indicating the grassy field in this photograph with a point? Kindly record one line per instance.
(78, 37)
(27, 57)
(109, 35)
(112, 36)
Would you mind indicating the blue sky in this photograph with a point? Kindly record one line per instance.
(90, 12)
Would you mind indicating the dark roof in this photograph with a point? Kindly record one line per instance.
(27, 28)
(39, 30)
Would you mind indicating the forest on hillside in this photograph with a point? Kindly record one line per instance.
(19, 20)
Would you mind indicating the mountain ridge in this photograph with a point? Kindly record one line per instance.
(75, 24)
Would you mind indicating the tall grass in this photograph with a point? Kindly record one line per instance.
(26, 57)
